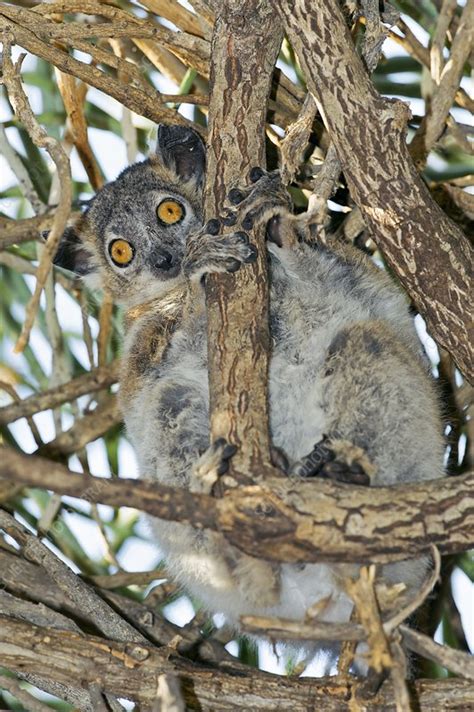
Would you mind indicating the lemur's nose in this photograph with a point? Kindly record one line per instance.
(163, 259)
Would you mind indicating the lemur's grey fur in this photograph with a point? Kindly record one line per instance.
(346, 371)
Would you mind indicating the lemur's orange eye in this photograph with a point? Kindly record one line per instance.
(170, 212)
(121, 252)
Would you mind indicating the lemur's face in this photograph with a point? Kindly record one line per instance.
(132, 237)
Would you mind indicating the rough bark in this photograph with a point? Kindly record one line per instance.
(289, 520)
(131, 670)
(428, 253)
(244, 50)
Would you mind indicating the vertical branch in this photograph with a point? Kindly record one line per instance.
(245, 46)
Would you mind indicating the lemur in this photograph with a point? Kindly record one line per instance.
(350, 395)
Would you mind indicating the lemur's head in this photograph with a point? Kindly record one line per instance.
(131, 238)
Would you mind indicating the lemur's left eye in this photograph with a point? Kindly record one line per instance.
(121, 252)
(170, 211)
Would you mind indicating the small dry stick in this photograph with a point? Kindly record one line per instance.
(20, 172)
(86, 599)
(294, 144)
(348, 650)
(73, 93)
(20, 103)
(448, 8)
(398, 675)
(85, 430)
(362, 591)
(419, 598)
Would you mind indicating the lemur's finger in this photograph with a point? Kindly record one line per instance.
(256, 173)
(229, 218)
(235, 196)
(213, 226)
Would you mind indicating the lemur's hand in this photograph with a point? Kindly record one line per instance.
(265, 200)
(208, 251)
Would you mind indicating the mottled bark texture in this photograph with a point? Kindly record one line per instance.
(245, 46)
(288, 519)
(428, 253)
(131, 670)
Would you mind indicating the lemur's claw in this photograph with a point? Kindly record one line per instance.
(342, 472)
(247, 222)
(279, 459)
(273, 232)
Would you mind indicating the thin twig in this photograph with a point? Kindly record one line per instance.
(21, 173)
(88, 428)
(87, 383)
(20, 103)
(168, 695)
(434, 120)
(420, 597)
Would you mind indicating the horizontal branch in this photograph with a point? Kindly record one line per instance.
(87, 383)
(13, 232)
(131, 670)
(288, 519)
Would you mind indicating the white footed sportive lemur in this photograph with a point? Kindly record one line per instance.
(350, 395)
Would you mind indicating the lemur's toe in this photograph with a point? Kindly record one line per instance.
(252, 254)
(213, 226)
(273, 231)
(229, 218)
(348, 474)
(213, 463)
(255, 174)
(247, 222)
(223, 451)
(235, 196)
(310, 465)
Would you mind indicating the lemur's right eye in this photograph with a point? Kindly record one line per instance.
(121, 252)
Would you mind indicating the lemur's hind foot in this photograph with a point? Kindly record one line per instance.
(213, 463)
(337, 460)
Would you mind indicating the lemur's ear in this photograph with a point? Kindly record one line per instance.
(182, 150)
(72, 254)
